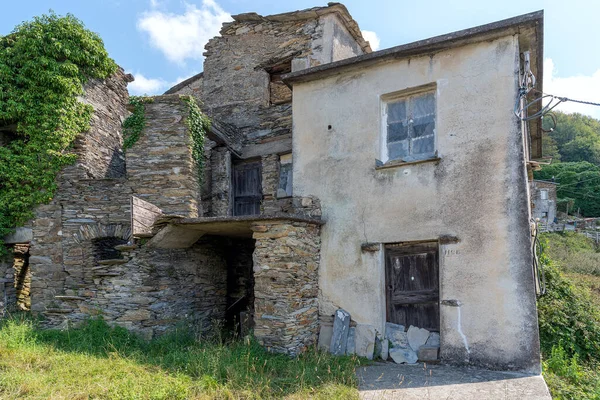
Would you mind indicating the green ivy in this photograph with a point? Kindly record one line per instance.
(135, 123)
(43, 66)
(198, 124)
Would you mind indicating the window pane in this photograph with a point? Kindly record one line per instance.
(397, 131)
(423, 145)
(396, 111)
(397, 150)
(423, 126)
(423, 105)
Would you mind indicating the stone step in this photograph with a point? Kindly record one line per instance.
(99, 274)
(114, 261)
(145, 235)
(66, 298)
(58, 311)
(126, 247)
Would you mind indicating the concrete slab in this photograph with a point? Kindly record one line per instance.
(388, 381)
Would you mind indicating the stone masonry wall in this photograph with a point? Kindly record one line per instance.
(160, 167)
(81, 211)
(99, 150)
(236, 80)
(150, 291)
(286, 261)
(220, 194)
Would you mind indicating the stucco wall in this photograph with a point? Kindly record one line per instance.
(477, 192)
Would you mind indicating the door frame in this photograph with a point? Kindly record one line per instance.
(384, 271)
(234, 163)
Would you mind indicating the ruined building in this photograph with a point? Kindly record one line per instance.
(391, 184)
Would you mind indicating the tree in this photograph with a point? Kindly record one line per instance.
(579, 181)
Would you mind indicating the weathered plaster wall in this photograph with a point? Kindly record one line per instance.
(160, 167)
(476, 192)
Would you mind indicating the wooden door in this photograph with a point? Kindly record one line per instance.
(247, 188)
(412, 284)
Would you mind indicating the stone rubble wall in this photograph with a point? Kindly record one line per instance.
(151, 290)
(221, 180)
(81, 211)
(236, 84)
(160, 167)
(100, 150)
(286, 261)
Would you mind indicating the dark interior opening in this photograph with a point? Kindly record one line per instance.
(104, 248)
(8, 133)
(239, 314)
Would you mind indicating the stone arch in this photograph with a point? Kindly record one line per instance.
(88, 232)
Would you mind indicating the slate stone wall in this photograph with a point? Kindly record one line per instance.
(160, 167)
(286, 261)
(100, 150)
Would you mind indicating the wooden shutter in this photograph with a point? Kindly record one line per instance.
(247, 188)
(413, 285)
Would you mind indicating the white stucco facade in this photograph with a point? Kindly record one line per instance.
(473, 199)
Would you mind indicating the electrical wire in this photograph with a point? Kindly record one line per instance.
(538, 272)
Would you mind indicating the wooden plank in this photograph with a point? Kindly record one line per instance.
(143, 215)
(247, 188)
(412, 285)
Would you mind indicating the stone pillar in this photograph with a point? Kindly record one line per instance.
(220, 182)
(286, 262)
(160, 166)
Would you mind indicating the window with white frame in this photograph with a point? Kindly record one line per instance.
(409, 127)
(544, 194)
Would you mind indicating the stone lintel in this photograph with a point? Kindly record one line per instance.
(175, 237)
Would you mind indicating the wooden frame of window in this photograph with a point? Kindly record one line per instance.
(408, 125)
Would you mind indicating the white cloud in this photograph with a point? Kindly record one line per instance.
(143, 85)
(182, 36)
(579, 87)
(372, 38)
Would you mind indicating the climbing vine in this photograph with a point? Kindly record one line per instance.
(43, 66)
(134, 124)
(198, 125)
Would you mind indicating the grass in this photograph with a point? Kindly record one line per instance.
(100, 362)
(569, 316)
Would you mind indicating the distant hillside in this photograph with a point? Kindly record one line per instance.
(574, 145)
(575, 138)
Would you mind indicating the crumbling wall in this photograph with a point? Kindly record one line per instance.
(100, 150)
(286, 263)
(160, 166)
(81, 211)
(252, 49)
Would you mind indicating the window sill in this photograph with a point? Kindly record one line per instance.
(400, 163)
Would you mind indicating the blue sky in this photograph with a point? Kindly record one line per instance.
(161, 41)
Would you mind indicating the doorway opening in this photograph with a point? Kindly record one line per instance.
(247, 188)
(412, 283)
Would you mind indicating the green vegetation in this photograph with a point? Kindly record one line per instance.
(569, 318)
(579, 185)
(134, 124)
(43, 66)
(198, 125)
(574, 145)
(96, 361)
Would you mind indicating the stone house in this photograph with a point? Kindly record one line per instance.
(391, 184)
(543, 201)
